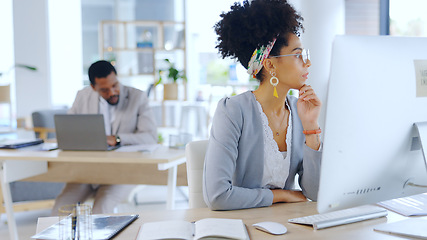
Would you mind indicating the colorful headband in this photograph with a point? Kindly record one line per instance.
(258, 57)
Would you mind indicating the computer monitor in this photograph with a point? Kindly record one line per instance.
(371, 149)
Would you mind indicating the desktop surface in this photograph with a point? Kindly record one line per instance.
(278, 213)
(97, 167)
(161, 155)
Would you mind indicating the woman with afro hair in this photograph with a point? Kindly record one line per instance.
(260, 140)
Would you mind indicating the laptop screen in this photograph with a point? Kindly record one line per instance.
(81, 132)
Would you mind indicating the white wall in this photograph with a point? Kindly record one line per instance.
(6, 40)
(32, 48)
(47, 35)
(6, 53)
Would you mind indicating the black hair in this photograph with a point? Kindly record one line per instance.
(100, 69)
(253, 24)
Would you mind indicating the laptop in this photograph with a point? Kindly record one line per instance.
(82, 132)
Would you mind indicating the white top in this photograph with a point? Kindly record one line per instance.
(108, 111)
(276, 163)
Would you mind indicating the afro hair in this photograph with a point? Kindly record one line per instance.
(253, 24)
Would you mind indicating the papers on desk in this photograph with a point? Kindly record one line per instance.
(103, 227)
(46, 146)
(412, 227)
(138, 148)
(408, 206)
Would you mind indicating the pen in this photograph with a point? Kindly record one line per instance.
(74, 223)
(78, 220)
(73, 226)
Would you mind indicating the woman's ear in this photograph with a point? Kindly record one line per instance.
(268, 64)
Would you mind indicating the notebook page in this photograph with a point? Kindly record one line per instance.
(166, 230)
(220, 227)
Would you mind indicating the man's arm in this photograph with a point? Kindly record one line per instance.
(146, 129)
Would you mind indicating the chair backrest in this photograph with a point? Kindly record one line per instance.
(195, 153)
(5, 94)
(5, 99)
(44, 120)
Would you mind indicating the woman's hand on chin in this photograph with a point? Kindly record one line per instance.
(309, 106)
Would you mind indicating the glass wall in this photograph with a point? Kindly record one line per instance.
(408, 18)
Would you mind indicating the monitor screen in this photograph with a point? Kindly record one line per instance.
(377, 91)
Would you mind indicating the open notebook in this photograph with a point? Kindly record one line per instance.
(207, 228)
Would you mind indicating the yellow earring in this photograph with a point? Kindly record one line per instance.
(274, 84)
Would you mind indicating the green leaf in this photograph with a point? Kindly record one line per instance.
(26, 66)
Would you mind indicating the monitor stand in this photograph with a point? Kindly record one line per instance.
(421, 127)
(422, 134)
(402, 227)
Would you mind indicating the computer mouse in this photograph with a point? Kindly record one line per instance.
(274, 228)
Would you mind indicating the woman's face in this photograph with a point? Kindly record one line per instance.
(291, 70)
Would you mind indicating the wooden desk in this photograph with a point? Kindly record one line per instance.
(278, 213)
(91, 167)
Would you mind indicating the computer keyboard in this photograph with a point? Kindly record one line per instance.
(340, 217)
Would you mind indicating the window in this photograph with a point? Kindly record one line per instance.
(408, 18)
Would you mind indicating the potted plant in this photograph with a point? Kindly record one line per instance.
(170, 88)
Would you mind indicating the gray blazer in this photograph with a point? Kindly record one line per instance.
(234, 161)
(134, 121)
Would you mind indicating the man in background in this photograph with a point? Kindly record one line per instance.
(128, 120)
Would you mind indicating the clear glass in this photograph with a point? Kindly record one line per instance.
(305, 55)
(75, 222)
(179, 141)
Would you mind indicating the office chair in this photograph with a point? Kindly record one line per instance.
(195, 153)
(43, 122)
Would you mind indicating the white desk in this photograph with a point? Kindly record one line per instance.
(91, 167)
(278, 213)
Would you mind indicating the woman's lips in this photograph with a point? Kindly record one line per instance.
(305, 76)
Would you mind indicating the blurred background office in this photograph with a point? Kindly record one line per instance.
(62, 37)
